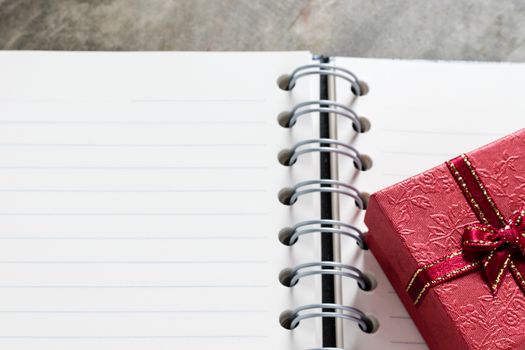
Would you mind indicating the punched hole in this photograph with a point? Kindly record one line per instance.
(285, 195)
(365, 125)
(371, 324)
(284, 157)
(362, 243)
(363, 86)
(364, 197)
(285, 235)
(284, 119)
(285, 277)
(368, 283)
(284, 81)
(286, 318)
(366, 162)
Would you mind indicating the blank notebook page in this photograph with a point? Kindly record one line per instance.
(422, 113)
(139, 201)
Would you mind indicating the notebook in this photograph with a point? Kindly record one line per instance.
(160, 200)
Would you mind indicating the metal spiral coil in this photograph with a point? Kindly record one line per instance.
(290, 235)
(289, 195)
(358, 87)
(290, 319)
(289, 277)
(288, 157)
(287, 119)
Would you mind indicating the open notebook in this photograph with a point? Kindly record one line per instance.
(139, 193)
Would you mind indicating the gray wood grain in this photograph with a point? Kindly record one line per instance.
(432, 29)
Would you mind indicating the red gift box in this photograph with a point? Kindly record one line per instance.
(452, 242)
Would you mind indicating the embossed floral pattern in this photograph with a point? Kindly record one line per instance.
(499, 174)
(424, 253)
(498, 318)
(414, 198)
(447, 228)
(447, 289)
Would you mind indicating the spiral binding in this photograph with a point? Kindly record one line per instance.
(288, 157)
(290, 235)
(358, 87)
(290, 277)
(287, 119)
(290, 319)
(289, 195)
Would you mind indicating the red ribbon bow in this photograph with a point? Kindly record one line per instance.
(494, 244)
(499, 247)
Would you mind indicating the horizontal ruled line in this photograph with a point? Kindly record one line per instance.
(135, 145)
(132, 311)
(128, 286)
(73, 190)
(63, 99)
(134, 238)
(407, 342)
(158, 337)
(397, 174)
(131, 337)
(152, 262)
(401, 317)
(407, 153)
(59, 167)
(133, 122)
(133, 214)
(191, 100)
(444, 132)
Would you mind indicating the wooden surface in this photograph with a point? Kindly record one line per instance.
(432, 29)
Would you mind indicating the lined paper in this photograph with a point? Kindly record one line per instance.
(422, 113)
(138, 201)
(138, 192)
